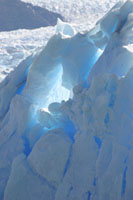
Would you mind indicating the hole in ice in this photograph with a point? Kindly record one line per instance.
(58, 93)
(98, 141)
(21, 88)
(124, 181)
(106, 120)
(89, 195)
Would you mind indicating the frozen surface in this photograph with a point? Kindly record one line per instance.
(16, 45)
(84, 13)
(20, 15)
(81, 148)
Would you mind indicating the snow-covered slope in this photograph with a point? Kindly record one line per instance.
(16, 45)
(84, 13)
(81, 148)
(20, 15)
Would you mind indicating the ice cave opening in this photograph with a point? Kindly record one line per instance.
(58, 93)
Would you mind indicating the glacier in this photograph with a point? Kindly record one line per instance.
(25, 16)
(83, 14)
(17, 45)
(66, 115)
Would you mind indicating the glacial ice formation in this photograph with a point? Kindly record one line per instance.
(81, 148)
(17, 45)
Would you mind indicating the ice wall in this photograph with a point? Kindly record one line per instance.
(81, 148)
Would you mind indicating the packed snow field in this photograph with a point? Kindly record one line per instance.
(84, 13)
(17, 14)
(66, 115)
(16, 45)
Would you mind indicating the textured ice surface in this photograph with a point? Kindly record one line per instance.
(82, 148)
(17, 45)
(81, 12)
(20, 15)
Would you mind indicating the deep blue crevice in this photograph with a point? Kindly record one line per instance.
(21, 87)
(69, 129)
(85, 84)
(68, 161)
(124, 181)
(106, 120)
(94, 181)
(112, 100)
(114, 28)
(89, 195)
(98, 141)
(121, 25)
(27, 149)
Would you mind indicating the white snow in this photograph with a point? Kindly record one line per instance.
(83, 13)
(17, 45)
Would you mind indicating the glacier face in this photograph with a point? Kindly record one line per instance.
(82, 148)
